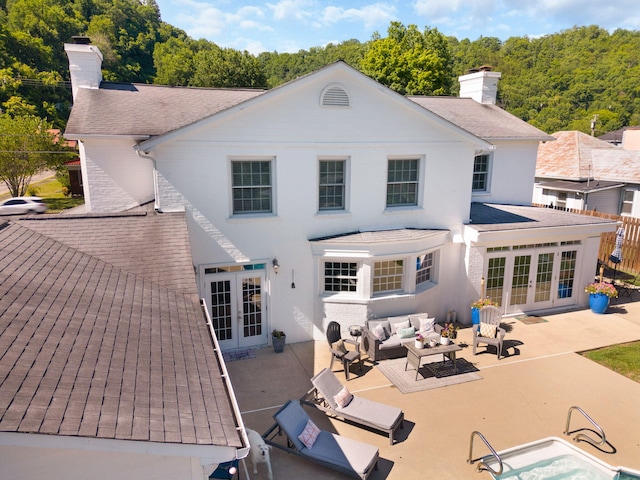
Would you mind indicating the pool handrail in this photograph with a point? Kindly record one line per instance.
(482, 465)
(582, 436)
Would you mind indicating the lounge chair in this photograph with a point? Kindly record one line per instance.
(348, 456)
(489, 331)
(362, 411)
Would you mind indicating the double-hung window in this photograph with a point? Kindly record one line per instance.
(402, 182)
(340, 276)
(424, 268)
(481, 165)
(252, 186)
(627, 202)
(388, 275)
(332, 185)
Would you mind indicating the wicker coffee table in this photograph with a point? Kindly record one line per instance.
(415, 355)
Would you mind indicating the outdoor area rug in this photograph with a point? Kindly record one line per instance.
(436, 376)
(530, 319)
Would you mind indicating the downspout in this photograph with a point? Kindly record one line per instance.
(145, 155)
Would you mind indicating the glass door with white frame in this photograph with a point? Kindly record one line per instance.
(235, 300)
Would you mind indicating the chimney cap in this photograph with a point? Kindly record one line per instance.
(81, 40)
(483, 68)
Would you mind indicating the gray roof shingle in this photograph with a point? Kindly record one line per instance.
(149, 110)
(90, 349)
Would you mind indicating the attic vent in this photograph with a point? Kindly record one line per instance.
(335, 96)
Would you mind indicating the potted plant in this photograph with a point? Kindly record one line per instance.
(600, 294)
(448, 333)
(419, 341)
(278, 338)
(477, 305)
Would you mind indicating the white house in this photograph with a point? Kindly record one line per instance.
(334, 198)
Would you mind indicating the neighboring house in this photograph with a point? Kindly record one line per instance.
(586, 173)
(75, 176)
(108, 369)
(334, 198)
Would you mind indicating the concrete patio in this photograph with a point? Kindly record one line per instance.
(523, 397)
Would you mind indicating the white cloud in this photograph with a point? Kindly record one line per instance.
(292, 9)
(370, 15)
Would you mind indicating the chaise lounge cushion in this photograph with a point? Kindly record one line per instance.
(330, 449)
(370, 412)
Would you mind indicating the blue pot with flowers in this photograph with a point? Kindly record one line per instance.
(475, 310)
(600, 294)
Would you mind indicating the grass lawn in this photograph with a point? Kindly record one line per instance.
(50, 190)
(623, 359)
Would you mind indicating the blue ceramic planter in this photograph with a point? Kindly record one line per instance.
(598, 302)
(475, 317)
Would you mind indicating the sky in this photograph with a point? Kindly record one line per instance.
(293, 25)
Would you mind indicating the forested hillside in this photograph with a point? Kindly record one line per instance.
(557, 82)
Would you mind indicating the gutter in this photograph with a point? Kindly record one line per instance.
(240, 452)
(145, 155)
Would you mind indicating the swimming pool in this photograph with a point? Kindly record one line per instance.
(554, 458)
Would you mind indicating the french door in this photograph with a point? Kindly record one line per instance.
(521, 280)
(236, 306)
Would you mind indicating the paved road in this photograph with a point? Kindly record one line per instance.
(36, 178)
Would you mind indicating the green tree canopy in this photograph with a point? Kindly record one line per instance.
(27, 147)
(410, 62)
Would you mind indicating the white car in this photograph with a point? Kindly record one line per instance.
(22, 205)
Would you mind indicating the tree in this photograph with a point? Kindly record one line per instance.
(227, 68)
(410, 62)
(26, 148)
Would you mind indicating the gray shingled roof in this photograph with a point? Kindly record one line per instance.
(89, 349)
(147, 110)
(484, 121)
(494, 217)
(150, 110)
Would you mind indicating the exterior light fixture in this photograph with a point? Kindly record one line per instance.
(276, 265)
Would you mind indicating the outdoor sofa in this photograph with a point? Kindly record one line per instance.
(384, 338)
(345, 455)
(326, 395)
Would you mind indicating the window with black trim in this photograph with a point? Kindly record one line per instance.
(340, 276)
(402, 182)
(252, 186)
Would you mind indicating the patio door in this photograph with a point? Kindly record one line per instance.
(236, 308)
(537, 279)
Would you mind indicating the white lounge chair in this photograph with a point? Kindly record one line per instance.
(346, 455)
(359, 410)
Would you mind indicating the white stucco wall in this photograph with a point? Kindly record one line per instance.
(513, 167)
(295, 132)
(115, 177)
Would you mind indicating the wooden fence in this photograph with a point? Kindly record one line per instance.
(630, 247)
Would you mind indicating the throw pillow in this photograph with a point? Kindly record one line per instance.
(426, 324)
(487, 330)
(379, 332)
(309, 434)
(398, 323)
(339, 346)
(343, 398)
(406, 332)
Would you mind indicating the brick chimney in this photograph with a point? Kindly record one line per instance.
(85, 64)
(480, 84)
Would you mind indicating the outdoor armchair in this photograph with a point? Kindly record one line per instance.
(337, 346)
(489, 331)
